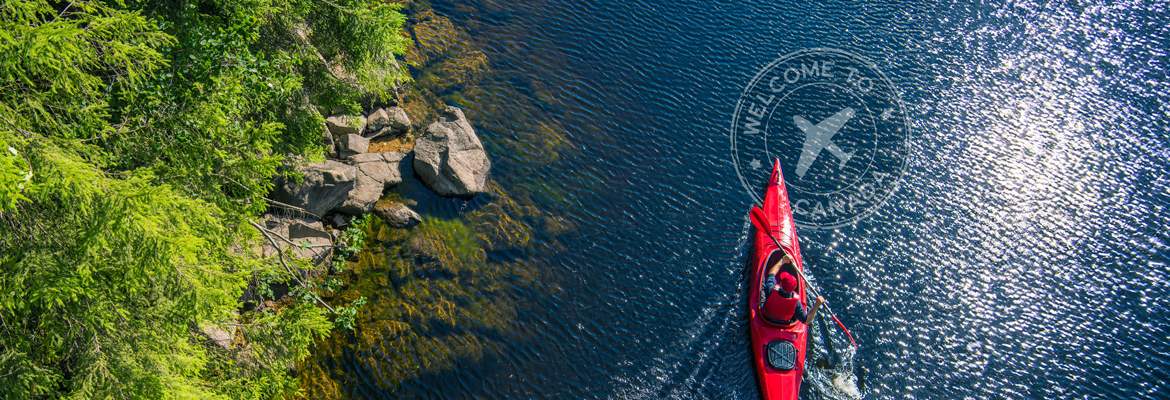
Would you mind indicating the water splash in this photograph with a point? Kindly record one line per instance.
(834, 381)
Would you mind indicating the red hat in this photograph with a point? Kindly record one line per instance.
(787, 282)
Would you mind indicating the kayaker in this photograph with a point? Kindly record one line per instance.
(781, 304)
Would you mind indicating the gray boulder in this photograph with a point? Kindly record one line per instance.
(399, 121)
(220, 335)
(311, 233)
(390, 121)
(298, 230)
(365, 158)
(327, 140)
(375, 173)
(341, 125)
(397, 214)
(279, 232)
(352, 144)
(279, 226)
(326, 185)
(394, 159)
(306, 228)
(377, 120)
(449, 157)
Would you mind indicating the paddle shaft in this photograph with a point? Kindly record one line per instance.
(763, 224)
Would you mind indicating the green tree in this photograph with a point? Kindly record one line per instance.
(137, 140)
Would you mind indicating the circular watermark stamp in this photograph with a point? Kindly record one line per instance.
(838, 126)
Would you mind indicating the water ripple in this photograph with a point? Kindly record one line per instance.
(1024, 255)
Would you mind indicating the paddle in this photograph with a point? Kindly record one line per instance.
(760, 220)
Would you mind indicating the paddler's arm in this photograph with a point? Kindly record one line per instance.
(770, 276)
(813, 313)
(770, 280)
(776, 267)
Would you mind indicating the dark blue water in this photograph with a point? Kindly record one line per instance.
(1024, 254)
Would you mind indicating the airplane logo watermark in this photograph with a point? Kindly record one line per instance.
(820, 137)
(867, 135)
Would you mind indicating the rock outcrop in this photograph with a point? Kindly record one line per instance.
(277, 234)
(390, 121)
(311, 233)
(326, 185)
(352, 144)
(298, 230)
(328, 141)
(221, 336)
(449, 157)
(375, 173)
(277, 225)
(397, 215)
(346, 124)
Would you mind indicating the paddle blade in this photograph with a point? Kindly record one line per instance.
(850, 335)
(760, 220)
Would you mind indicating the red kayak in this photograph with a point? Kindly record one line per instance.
(777, 348)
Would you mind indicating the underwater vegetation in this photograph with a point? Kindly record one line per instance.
(437, 300)
(443, 294)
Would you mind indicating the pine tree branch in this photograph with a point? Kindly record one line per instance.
(278, 252)
(286, 267)
(291, 207)
(63, 10)
(289, 241)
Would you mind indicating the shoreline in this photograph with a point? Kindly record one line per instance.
(452, 267)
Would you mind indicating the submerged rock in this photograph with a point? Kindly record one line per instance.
(326, 185)
(450, 158)
(397, 215)
(375, 173)
(425, 248)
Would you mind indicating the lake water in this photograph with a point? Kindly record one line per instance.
(1022, 255)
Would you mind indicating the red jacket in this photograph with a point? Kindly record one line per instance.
(779, 309)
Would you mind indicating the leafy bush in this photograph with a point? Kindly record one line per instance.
(137, 140)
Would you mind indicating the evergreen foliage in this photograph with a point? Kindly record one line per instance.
(137, 140)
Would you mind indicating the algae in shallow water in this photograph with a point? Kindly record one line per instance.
(451, 241)
(445, 61)
(437, 300)
(432, 308)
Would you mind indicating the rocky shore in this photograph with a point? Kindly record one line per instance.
(410, 143)
(447, 157)
(448, 241)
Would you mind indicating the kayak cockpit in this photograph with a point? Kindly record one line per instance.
(790, 268)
